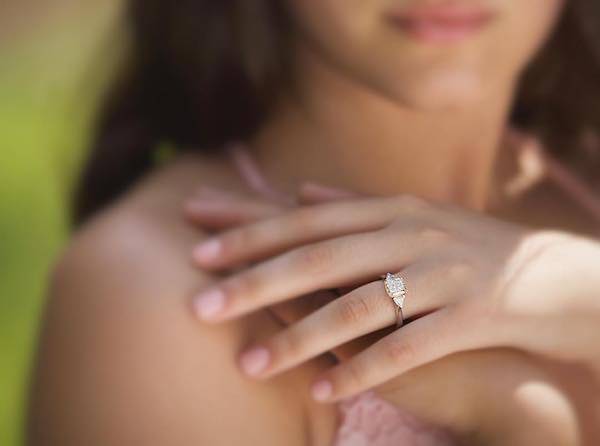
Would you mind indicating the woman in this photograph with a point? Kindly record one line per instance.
(409, 111)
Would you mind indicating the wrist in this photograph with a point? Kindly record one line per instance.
(556, 271)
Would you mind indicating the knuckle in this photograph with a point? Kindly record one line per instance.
(289, 344)
(433, 236)
(399, 352)
(245, 285)
(236, 239)
(354, 309)
(352, 376)
(316, 258)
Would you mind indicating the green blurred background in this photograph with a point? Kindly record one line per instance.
(54, 58)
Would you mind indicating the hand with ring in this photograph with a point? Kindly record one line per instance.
(472, 282)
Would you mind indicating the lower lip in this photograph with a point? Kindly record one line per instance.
(441, 28)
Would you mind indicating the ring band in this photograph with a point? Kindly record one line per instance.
(396, 288)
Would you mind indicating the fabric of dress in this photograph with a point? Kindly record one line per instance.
(368, 420)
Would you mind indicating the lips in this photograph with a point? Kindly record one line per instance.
(443, 23)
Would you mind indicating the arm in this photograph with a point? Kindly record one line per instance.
(121, 361)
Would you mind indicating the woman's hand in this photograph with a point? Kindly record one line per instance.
(462, 271)
(501, 380)
(217, 210)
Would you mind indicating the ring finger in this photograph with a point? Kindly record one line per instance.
(358, 313)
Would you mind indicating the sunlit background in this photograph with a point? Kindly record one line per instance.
(54, 59)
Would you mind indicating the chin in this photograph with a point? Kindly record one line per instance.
(450, 91)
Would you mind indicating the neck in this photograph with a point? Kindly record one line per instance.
(337, 132)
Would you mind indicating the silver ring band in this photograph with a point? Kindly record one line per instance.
(396, 288)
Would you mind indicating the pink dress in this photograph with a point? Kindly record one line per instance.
(367, 419)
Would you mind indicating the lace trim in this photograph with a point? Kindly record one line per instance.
(368, 420)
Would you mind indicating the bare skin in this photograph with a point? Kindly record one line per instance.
(123, 362)
(121, 347)
(499, 396)
(119, 322)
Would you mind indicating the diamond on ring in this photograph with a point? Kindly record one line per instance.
(395, 287)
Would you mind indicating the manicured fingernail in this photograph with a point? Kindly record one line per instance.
(322, 390)
(210, 303)
(207, 251)
(255, 361)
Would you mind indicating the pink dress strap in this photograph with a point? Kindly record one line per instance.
(251, 174)
(536, 163)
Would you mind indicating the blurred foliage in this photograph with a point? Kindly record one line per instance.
(49, 85)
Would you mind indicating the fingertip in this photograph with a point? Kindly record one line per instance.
(322, 390)
(207, 252)
(255, 361)
(209, 304)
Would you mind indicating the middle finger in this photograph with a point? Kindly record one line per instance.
(362, 311)
(333, 263)
(294, 228)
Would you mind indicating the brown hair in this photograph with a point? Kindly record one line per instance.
(200, 73)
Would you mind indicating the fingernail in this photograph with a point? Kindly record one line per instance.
(322, 390)
(210, 303)
(255, 361)
(207, 251)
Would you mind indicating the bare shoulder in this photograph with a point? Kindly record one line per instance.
(122, 360)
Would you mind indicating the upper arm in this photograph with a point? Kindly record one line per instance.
(122, 360)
